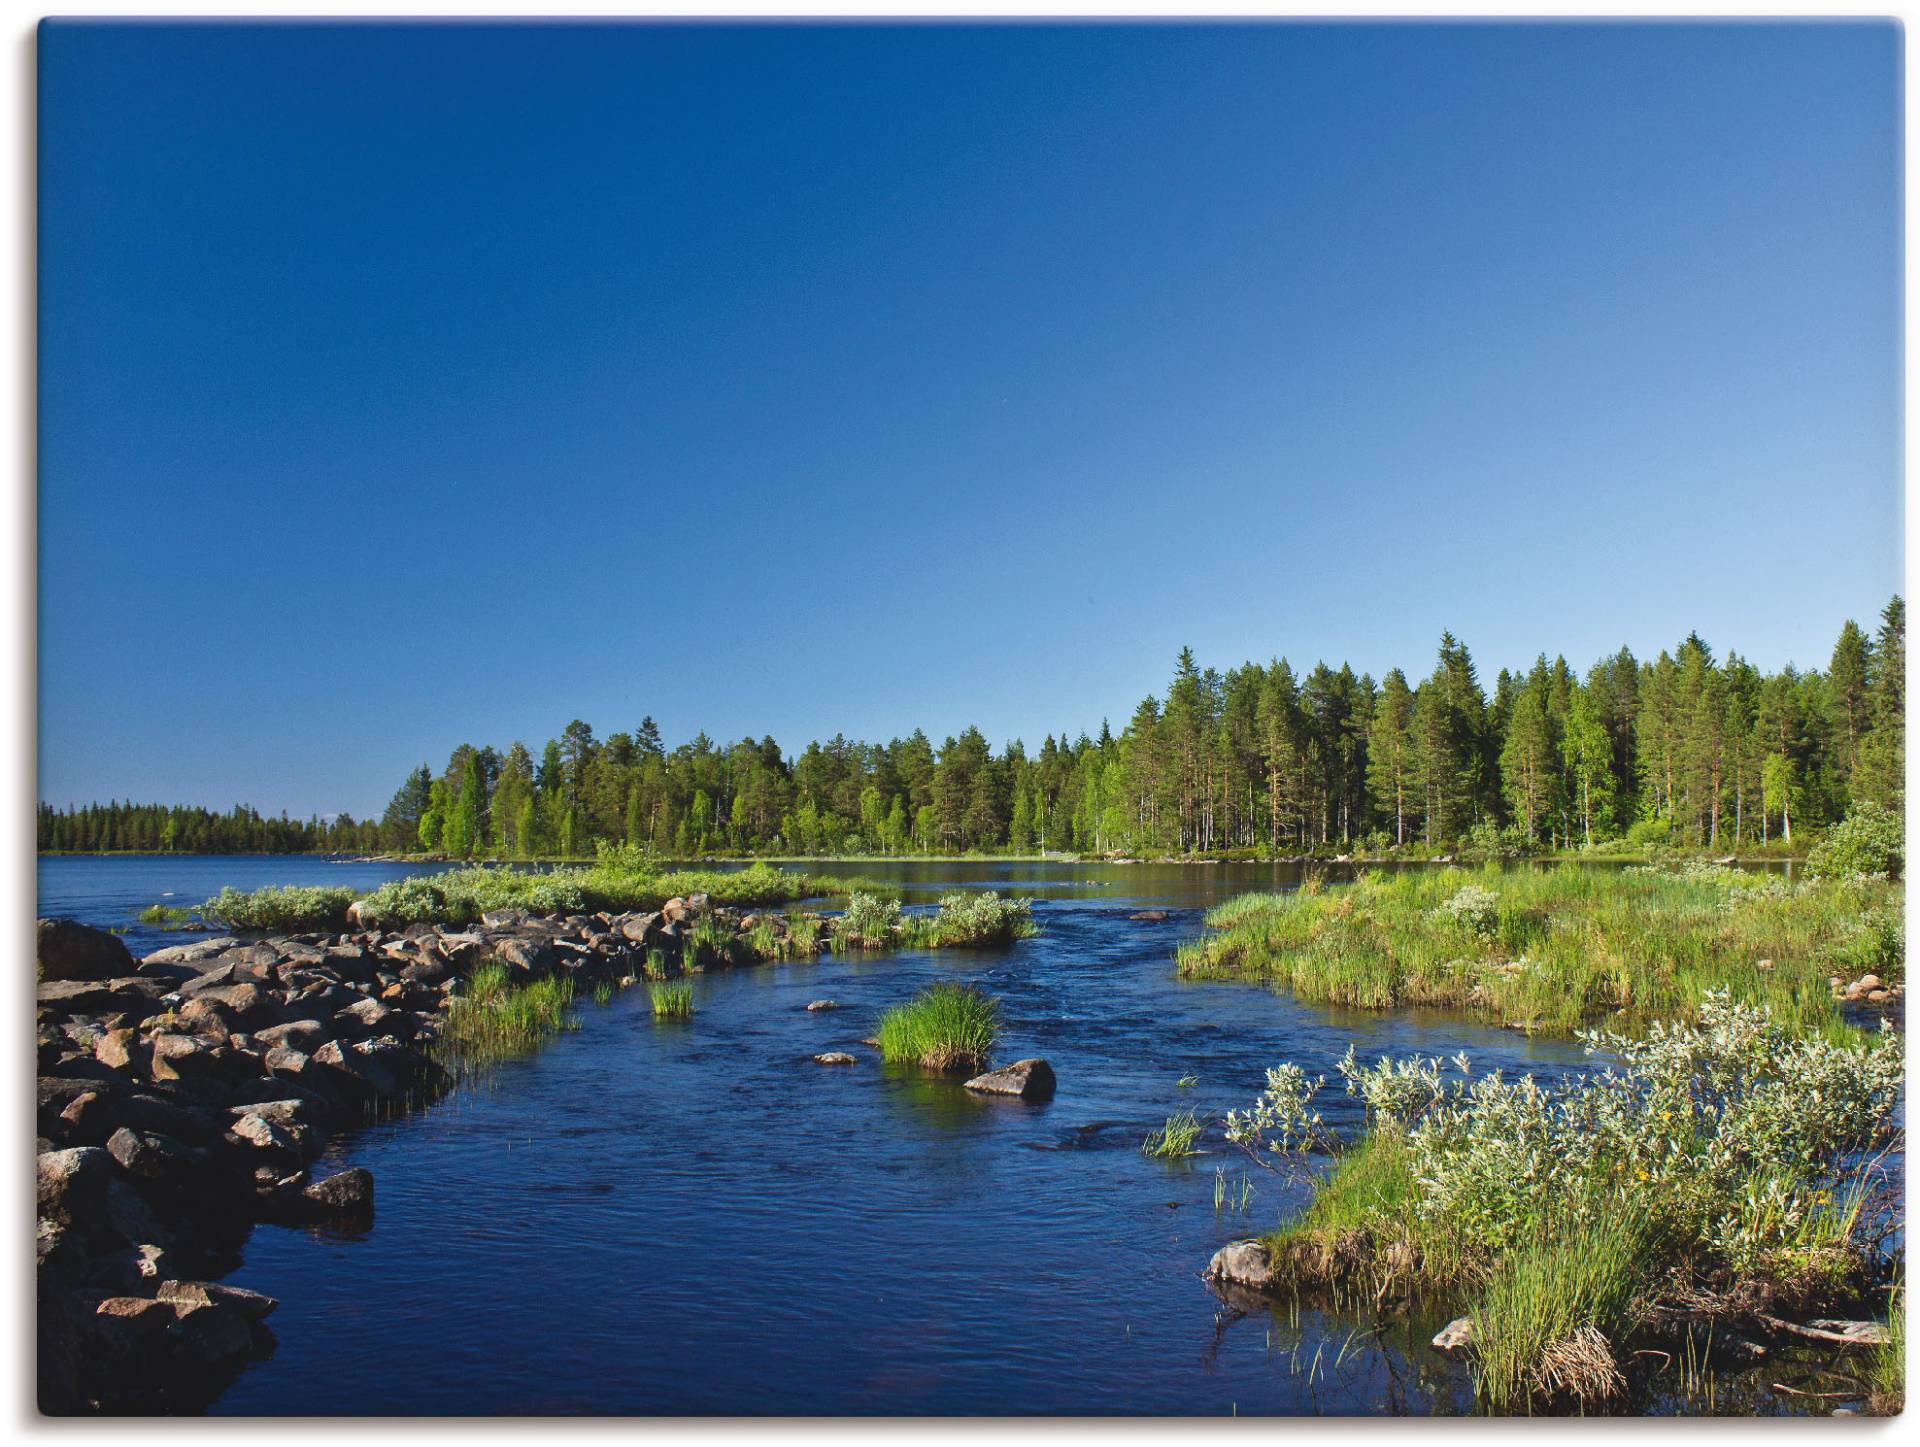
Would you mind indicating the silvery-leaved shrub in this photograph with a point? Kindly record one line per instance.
(1870, 842)
(1474, 908)
(1726, 1133)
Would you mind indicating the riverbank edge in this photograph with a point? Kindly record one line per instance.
(184, 1098)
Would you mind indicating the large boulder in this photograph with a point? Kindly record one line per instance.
(1029, 1079)
(69, 950)
(72, 1184)
(1242, 1263)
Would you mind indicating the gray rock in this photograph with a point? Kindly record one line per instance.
(72, 1182)
(253, 1305)
(1456, 1335)
(350, 1193)
(824, 1005)
(1029, 1079)
(834, 1057)
(1243, 1263)
(149, 1155)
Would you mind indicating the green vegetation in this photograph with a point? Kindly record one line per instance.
(1716, 1170)
(166, 916)
(1887, 1373)
(655, 967)
(947, 1027)
(1869, 843)
(495, 1019)
(619, 882)
(280, 907)
(1553, 949)
(963, 921)
(671, 1001)
(1684, 751)
(1175, 1139)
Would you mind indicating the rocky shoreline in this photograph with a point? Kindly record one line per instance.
(186, 1096)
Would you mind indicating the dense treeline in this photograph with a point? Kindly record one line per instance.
(158, 829)
(1701, 751)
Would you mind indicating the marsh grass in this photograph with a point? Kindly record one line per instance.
(948, 1027)
(709, 942)
(166, 916)
(603, 992)
(1887, 1372)
(495, 1019)
(655, 966)
(1176, 1139)
(671, 1001)
(1543, 1324)
(1553, 949)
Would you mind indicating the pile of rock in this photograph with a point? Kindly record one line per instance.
(1868, 990)
(186, 1096)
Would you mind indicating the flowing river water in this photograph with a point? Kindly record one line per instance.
(668, 1217)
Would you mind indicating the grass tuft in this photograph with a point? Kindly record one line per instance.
(1175, 1139)
(948, 1027)
(673, 1001)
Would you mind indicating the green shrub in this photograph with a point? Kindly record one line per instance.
(167, 917)
(948, 1027)
(869, 923)
(1869, 843)
(280, 907)
(971, 921)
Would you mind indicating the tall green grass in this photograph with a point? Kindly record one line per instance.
(1175, 1139)
(1552, 950)
(948, 1027)
(671, 1001)
(165, 916)
(495, 1019)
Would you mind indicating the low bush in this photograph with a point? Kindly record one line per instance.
(280, 907)
(1719, 1161)
(1870, 843)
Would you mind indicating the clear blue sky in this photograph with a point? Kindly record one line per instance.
(402, 386)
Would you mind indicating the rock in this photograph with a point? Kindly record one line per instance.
(504, 918)
(149, 1155)
(210, 1332)
(1029, 1079)
(69, 950)
(1456, 1335)
(1878, 997)
(367, 1017)
(253, 1305)
(136, 1268)
(90, 1118)
(354, 1071)
(262, 1134)
(350, 1193)
(1148, 916)
(1243, 1263)
(246, 1001)
(638, 928)
(123, 1050)
(72, 1182)
(1868, 982)
(1763, 964)
(80, 997)
(306, 1035)
(824, 1005)
(1867, 1333)
(525, 957)
(179, 1057)
(834, 1057)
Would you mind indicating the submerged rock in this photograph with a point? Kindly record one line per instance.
(824, 1005)
(1148, 916)
(1029, 1079)
(1243, 1263)
(350, 1193)
(834, 1057)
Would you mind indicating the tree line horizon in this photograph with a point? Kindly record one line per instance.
(1685, 749)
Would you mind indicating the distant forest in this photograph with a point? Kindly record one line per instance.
(1686, 749)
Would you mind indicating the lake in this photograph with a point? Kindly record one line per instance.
(693, 1217)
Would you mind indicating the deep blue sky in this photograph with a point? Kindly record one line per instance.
(409, 385)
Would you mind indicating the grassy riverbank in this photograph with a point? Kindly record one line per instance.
(1553, 949)
(1717, 1175)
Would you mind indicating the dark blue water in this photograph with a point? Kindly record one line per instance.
(693, 1217)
